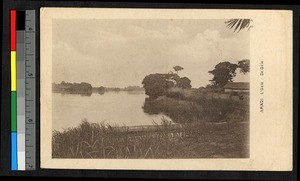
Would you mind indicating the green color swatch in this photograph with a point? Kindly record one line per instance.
(14, 111)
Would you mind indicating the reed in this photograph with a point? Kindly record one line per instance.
(100, 140)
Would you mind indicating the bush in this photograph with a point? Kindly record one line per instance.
(216, 110)
(183, 110)
(184, 83)
(175, 95)
(180, 111)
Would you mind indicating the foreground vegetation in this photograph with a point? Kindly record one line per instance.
(196, 106)
(212, 124)
(173, 96)
(205, 140)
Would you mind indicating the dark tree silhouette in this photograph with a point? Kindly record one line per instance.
(177, 68)
(101, 90)
(157, 84)
(223, 73)
(184, 83)
(244, 66)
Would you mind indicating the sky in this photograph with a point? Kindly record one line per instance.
(120, 53)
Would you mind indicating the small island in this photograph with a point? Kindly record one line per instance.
(85, 88)
(72, 88)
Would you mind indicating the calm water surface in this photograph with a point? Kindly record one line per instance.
(121, 108)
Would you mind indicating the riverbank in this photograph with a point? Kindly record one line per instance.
(195, 106)
(206, 140)
(211, 125)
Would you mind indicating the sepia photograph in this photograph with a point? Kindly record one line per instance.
(150, 88)
(131, 88)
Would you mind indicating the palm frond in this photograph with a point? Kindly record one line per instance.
(231, 23)
(238, 24)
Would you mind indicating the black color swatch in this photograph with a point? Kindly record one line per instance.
(20, 20)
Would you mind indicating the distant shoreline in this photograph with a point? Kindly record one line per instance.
(85, 88)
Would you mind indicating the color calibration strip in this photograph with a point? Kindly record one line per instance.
(22, 89)
(13, 64)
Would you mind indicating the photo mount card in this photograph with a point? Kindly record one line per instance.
(166, 89)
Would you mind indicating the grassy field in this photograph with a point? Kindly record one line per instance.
(202, 140)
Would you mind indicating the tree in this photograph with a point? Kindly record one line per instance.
(157, 84)
(223, 73)
(244, 66)
(177, 68)
(101, 90)
(184, 83)
(238, 24)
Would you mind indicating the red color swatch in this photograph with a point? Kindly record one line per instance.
(13, 15)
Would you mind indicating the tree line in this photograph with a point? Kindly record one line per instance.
(224, 72)
(158, 84)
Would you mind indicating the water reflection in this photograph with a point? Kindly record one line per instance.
(81, 94)
(149, 107)
(121, 108)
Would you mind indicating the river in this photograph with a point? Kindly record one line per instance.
(114, 108)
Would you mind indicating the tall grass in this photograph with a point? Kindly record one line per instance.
(99, 140)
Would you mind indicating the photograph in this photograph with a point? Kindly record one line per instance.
(150, 88)
(182, 89)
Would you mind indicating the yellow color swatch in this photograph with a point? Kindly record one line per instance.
(13, 65)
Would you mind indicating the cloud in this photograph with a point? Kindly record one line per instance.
(209, 34)
(169, 33)
(174, 32)
(66, 59)
(206, 50)
(122, 57)
(137, 32)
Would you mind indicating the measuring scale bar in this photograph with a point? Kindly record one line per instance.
(23, 90)
(30, 92)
